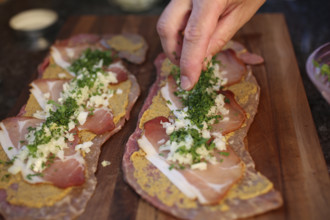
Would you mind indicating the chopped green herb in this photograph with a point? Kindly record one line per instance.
(223, 153)
(89, 59)
(324, 69)
(199, 100)
(181, 167)
(171, 167)
(30, 176)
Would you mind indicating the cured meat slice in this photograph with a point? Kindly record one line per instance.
(243, 54)
(13, 131)
(67, 51)
(47, 89)
(65, 173)
(168, 93)
(155, 132)
(13, 134)
(69, 171)
(209, 185)
(119, 70)
(235, 117)
(100, 122)
(231, 68)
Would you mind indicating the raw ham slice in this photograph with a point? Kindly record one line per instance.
(47, 89)
(13, 131)
(168, 94)
(119, 70)
(155, 132)
(61, 173)
(234, 119)
(231, 68)
(243, 54)
(100, 122)
(65, 173)
(209, 185)
(67, 51)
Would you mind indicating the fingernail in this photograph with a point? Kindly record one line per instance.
(185, 82)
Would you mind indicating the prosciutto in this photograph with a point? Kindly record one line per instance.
(209, 185)
(231, 68)
(99, 122)
(235, 117)
(47, 89)
(65, 172)
(13, 131)
(168, 93)
(120, 71)
(243, 54)
(66, 51)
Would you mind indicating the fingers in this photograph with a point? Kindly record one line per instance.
(230, 23)
(200, 27)
(171, 24)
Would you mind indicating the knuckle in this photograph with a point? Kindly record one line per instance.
(192, 33)
(220, 43)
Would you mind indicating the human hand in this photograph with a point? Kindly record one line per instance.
(207, 26)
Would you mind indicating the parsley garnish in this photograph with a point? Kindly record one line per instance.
(89, 59)
(29, 176)
(324, 69)
(223, 153)
(171, 166)
(63, 112)
(200, 99)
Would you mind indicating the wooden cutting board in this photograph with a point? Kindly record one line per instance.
(282, 140)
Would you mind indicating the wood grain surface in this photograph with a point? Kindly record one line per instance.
(282, 140)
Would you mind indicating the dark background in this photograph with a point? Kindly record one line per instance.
(308, 22)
